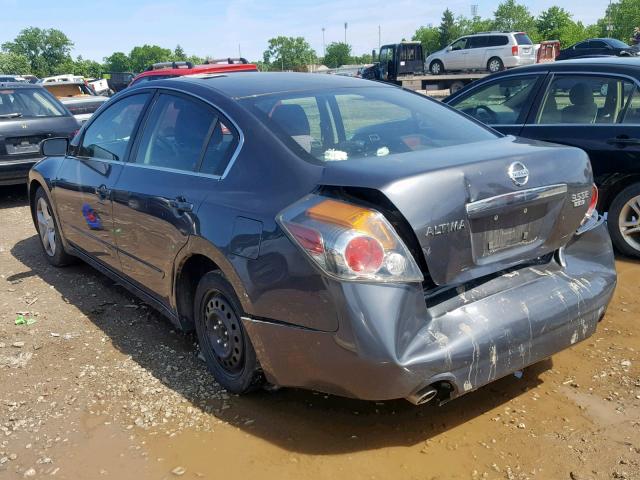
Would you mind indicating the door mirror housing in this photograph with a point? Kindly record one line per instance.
(54, 147)
(449, 48)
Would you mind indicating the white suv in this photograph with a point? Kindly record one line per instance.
(493, 51)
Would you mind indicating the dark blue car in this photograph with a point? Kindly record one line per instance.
(331, 233)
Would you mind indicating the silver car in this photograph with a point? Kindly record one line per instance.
(492, 51)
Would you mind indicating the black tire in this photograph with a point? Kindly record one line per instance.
(620, 211)
(49, 232)
(495, 65)
(436, 67)
(224, 342)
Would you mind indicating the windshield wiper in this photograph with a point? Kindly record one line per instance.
(11, 115)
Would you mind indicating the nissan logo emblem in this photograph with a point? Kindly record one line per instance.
(518, 173)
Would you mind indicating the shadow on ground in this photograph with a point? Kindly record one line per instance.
(13, 196)
(295, 420)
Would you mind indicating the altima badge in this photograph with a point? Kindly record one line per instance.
(454, 226)
(518, 173)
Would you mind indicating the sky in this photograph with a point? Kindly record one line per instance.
(222, 29)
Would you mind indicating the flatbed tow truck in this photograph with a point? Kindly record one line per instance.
(403, 64)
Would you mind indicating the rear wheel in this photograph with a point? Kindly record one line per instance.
(495, 65)
(436, 67)
(223, 340)
(49, 232)
(624, 221)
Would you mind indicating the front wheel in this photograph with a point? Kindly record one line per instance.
(49, 232)
(436, 67)
(495, 65)
(223, 340)
(624, 221)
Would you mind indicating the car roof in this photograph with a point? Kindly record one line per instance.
(242, 85)
(18, 85)
(579, 64)
(207, 68)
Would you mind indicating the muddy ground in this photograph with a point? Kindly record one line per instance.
(97, 385)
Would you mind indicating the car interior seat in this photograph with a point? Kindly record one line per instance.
(189, 135)
(583, 108)
(550, 112)
(293, 120)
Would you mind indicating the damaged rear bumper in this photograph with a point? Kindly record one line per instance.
(393, 341)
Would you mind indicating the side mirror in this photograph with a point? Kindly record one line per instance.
(54, 147)
(449, 48)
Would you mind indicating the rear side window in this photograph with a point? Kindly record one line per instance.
(497, 40)
(28, 102)
(221, 147)
(523, 39)
(408, 53)
(632, 113)
(597, 44)
(108, 136)
(582, 46)
(175, 133)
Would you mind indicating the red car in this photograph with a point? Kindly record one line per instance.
(159, 71)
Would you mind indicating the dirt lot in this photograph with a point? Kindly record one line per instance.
(96, 385)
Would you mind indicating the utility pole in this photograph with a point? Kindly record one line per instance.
(324, 48)
(379, 38)
(239, 52)
(345, 33)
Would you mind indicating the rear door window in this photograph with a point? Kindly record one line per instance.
(597, 44)
(175, 133)
(523, 39)
(497, 40)
(479, 42)
(582, 46)
(109, 135)
(632, 111)
(584, 99)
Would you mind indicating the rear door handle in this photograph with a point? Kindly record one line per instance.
(181, 204)
(103, 192)
(623, 141)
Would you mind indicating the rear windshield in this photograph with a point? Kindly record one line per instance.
(28, 102)
(615, 43)
(523, 39)
(348, 123)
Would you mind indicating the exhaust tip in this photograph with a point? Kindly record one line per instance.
(423, 396)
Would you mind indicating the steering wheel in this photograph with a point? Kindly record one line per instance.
(484, 114)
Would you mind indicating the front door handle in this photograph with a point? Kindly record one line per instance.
(623, 140)
(103, 192)
(181, 204)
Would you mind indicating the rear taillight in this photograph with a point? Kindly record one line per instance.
(514, 50)
(593, 203)
(348, 241)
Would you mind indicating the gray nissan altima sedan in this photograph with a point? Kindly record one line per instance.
(331, 233)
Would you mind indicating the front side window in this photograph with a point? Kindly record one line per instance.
(584, 99)
(597, 44)
(175, 133)
(581, 46)
(108, 136)
(27, 103)
(504, 102)
(459, 44)
(385, 54)
(349, 123)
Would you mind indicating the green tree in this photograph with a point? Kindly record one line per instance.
(468, 26)
(146, 55)
(196, 60)
(288, 53)
(44, 48)
(337, 54)
(14, 63)
(623, 16)
(179, 54)
(87, 68)
(429, 37)
(117, 62)
(513, 16)
(362, 59)
(448, 30)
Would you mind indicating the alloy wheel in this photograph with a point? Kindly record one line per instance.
(224, 334)
(629, 222)
(494, 66)
(46, 227)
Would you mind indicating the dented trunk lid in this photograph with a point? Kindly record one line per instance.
(469, 206)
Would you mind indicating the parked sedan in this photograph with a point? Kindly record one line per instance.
(593, 104)
(597, 47)
(331, 233)
(28, 115)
